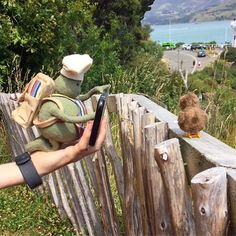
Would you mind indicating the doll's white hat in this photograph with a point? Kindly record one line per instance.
(75, 65)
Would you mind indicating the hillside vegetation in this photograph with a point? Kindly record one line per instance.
(223, 11)
(179, 11)
(216, 85)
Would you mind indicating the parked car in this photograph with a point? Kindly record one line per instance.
(186, 46)
(201, 53)
(196, 47)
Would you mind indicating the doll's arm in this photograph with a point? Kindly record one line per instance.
(97, 89)
(71, 119)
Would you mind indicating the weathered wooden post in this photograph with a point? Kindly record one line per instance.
(107, 208)
(156, 201)
(127, 137)
(108, 213)
(136, 117)
(168, 158)
(109, 145)
(231, 174)
(209, 190)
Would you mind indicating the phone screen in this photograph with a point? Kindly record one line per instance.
(98, 116)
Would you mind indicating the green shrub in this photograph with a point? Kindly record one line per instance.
(229, 55)
(217, 84)
(151, 48)
(201, 86)
(41, 33)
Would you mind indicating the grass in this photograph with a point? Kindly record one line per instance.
(219, 99)
(26, 212)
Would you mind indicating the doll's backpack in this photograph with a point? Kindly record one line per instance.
(39, 87)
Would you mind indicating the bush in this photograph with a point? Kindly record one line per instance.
(229, 55)
(150, 48)
(40, 33)
(152, 78)
(217, 84)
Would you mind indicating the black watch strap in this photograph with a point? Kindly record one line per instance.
(28, 170)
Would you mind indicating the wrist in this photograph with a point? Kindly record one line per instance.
(70, 154)
(28, 170)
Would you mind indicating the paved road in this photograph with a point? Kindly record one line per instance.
(183, 59)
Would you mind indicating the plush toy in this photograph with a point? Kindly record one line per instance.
(58, 114)
(192, 118)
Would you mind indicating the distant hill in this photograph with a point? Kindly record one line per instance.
(180, 11)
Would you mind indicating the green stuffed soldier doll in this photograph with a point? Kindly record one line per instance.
(60, 114)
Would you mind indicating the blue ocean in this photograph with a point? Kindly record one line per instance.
(219, 31)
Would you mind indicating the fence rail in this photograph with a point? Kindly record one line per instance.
(154, 182)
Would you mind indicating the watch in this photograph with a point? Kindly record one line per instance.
(28, 170)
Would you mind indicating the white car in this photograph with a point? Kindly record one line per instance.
(186, 46)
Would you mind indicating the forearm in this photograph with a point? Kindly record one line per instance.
(10, 175)
(44, 162)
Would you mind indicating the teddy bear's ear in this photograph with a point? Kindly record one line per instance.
(75, 65)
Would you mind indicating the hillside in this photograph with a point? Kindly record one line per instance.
(178, 11)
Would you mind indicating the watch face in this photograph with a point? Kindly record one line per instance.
(22, 158)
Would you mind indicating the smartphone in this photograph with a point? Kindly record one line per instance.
(98, 116)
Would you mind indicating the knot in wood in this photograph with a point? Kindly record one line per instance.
(163, 153)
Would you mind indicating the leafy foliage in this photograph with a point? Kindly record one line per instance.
(122, 20)
(229, 54)
(217, 85)
(40, 33)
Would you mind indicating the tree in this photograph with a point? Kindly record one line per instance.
(122, 19)
(36, 34)
(40, 32)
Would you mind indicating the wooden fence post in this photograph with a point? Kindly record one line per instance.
(50, 184)
(168, 158)
(65, 203)
(141, 212)
(116, 163)
(108, 213)
(17, 136)
(109, 146)
(209, 190)
(127, 137)
(157, 208)
(231, 174)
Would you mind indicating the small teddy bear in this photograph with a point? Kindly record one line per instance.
(192, 118)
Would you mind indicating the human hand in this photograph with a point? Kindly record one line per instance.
(82, 148)
(46, 162)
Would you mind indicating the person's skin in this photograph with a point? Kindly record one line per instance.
(46, 162)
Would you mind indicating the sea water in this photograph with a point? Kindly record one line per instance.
(219, 31)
